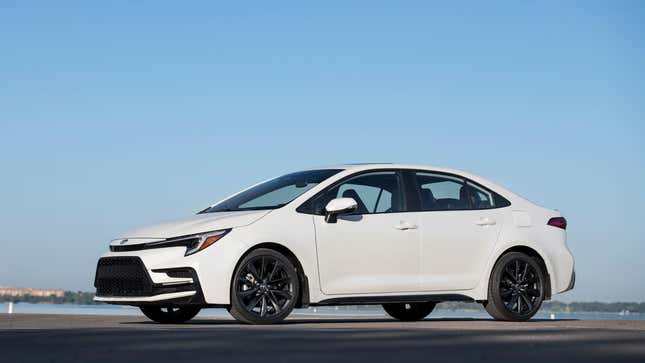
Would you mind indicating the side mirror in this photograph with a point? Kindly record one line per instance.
(339, 206)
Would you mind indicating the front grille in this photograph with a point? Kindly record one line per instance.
(122, 276)
(179, 241)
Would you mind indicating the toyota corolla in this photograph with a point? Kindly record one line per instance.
(401, 236)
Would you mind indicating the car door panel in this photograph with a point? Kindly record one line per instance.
(368, 254)
(375, 250)
(455, 246)
(459, 228)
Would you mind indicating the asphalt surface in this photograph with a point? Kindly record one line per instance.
(78, 338)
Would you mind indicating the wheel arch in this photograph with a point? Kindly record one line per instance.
(303, 298)
(530, 252)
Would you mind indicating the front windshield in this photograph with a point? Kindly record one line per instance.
(274, 193)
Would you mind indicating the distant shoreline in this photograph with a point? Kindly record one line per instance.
(556, 307)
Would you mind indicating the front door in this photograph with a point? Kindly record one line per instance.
(376, 249)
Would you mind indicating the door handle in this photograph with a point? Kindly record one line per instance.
(485, 222)
(405, 226)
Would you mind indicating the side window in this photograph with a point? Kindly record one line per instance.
(442, 192)
(480, 198)
(378, 192)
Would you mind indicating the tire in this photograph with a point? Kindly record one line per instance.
(516, 288)
(410, 311)
(170, 315)
(265, 288)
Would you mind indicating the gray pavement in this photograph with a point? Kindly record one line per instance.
(87, 338)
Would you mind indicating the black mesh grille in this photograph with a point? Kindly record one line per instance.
(122, 276)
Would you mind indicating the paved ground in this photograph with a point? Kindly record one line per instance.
(53, 338)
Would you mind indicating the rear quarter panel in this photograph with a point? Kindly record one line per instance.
(525, 224)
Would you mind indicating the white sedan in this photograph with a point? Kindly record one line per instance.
(402, 236)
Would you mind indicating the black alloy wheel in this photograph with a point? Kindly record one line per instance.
(516, 288)
(265, 288)
(170, 315)
(409, 311)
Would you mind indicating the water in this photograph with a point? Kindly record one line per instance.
(27, 308)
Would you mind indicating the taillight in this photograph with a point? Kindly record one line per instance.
(559, 222)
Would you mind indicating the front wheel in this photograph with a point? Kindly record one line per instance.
(265, 288)
(410, 311)
(516, 288)
(170, 315)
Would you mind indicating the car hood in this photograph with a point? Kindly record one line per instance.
(199, 223)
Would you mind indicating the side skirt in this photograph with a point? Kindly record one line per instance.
(377, 300)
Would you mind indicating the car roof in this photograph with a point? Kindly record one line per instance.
(368, 166)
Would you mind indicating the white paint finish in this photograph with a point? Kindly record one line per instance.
(521, 218)
(216, 264)
(341, 204)
(198, 223)
(160, 297)
(163, 278)
(456, 246)
(370, 256)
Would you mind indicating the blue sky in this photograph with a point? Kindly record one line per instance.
(121, 114)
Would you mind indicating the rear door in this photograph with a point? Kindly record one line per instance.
(458, 229)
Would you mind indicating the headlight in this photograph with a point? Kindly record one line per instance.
(193, 243)
(204, 240)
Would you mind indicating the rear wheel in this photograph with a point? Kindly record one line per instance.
(516, 288)
(170, 315)
(410, 311)
(265, 288)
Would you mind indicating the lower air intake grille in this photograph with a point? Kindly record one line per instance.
(122, 276)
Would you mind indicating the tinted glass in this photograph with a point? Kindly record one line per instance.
(500, 201)
(442, 192)
(274, 193)
(480, 198)
(378, 192)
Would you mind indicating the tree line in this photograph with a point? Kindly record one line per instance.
(86, 298)
(70, 297)
(561, 307)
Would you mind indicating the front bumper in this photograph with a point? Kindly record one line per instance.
(173, 296)
(125, 280)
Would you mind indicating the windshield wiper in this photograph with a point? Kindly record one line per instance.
(264, 207)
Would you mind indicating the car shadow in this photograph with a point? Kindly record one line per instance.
(323, 320)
